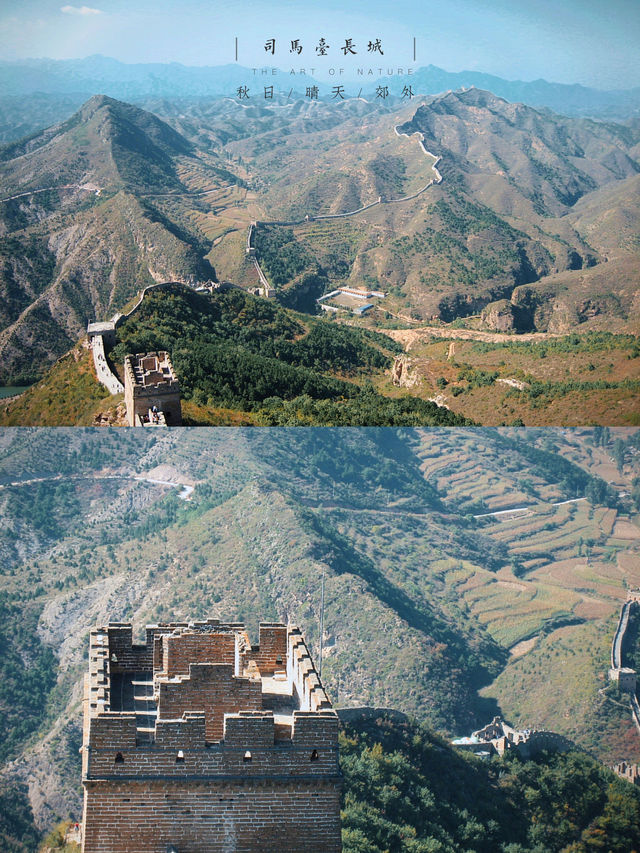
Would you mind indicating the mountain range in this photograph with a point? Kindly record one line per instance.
(505, 222)
(531, 226)
(33, 87)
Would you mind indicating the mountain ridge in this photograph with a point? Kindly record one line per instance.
(100, 228)
(20, 77)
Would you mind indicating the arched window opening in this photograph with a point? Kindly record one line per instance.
(247, 757)
(119, 759)
(314, 755)
(180, 757)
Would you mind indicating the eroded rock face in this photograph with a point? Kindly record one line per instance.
(112, 416)
(401, 373)
(499, 316)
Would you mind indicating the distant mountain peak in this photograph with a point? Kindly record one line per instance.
(134, 128)
(96, 102)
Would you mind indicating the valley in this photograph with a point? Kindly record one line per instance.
(466, 572)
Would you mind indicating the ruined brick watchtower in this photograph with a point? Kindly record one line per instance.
(151, 390)
(199, 742)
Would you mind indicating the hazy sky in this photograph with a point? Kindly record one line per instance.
(592, 42)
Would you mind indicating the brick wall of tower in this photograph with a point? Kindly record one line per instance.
(212, 817)
(219, 761)
(271, 652)
(212, 689)
(124, 655)
(180, 651)
(221, 773)
(302, 674)
(245, 793)
(181, 747)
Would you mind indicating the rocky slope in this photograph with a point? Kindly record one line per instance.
(109, 222)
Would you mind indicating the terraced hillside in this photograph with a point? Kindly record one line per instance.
(555, 605)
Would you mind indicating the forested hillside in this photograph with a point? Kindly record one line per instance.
(242, 354)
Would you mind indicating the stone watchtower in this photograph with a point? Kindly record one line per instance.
(199, 742)
(151, 390)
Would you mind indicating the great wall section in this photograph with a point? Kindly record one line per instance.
(103, 371)
(101, 333)
(625, 677)
(498, 737)
(266, 289)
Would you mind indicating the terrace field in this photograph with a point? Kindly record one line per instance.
(556, 603)
(544, 578)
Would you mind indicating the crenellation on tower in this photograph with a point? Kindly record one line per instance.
(200, 741)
